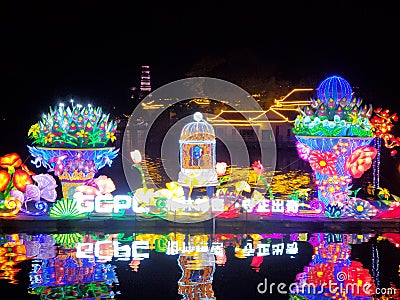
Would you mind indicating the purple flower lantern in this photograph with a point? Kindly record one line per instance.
(73, 167)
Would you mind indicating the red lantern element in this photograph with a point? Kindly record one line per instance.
(393, 152)
(394, 238)
(10, 160)
(231, 213)
(360, 161)
(21, 179)
(258, 167)
(358, 277)
(256, 262)
(392, 212)
(323, 162)
(320, 274)
(4, 180)
(25, 168)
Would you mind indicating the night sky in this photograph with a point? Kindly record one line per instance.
(93, 51)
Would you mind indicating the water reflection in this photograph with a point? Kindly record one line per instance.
(283, 181)
(197, 275)
(332, 274)
(200, 266)
(58, 273)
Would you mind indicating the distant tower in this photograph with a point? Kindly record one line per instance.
(145, 84)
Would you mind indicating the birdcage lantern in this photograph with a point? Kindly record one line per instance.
(197, 153)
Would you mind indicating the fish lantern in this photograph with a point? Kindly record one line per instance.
(197, 155)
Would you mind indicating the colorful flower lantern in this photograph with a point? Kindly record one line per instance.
(334, 134)
(68, 277)
(197, 155)
(197, 275)
(333, 275)
(20, 186)
(72, 142)
(12, 253)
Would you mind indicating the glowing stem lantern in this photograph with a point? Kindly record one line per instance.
(73, 167)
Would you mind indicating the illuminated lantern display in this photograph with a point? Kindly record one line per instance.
(197, 275)
(12, 253)
(334, 134)
(332, 274)
(61, 274)
(73, 143)
(197, 155)
(9, 164)
(21, 190)
(72, 278)
(40, 246)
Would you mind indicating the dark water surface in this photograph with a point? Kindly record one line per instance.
(200, 266)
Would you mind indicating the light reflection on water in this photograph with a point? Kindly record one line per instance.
(281, 182)
(291, 174)
(177, 265)
(286, 183)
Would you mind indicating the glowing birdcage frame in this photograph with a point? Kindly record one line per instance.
(197, 152)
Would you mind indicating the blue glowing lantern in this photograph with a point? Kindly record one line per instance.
(197, 154)
(336, 88)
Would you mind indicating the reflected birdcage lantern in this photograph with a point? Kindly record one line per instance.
(197, 275)
(197, 155)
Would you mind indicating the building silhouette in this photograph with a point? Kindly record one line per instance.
(137, 96)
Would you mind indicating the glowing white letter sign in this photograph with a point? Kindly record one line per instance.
(104, 203)
(106, 250)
